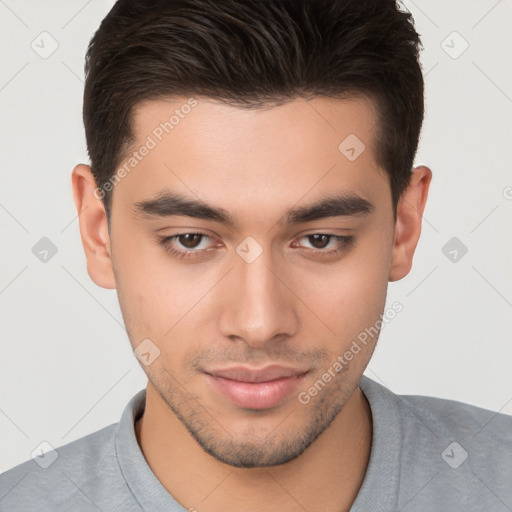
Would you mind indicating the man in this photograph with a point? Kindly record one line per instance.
(250, 195)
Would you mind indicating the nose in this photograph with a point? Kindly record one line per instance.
(258, 307)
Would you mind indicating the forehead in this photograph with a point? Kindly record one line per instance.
(315, 118)
(230, 155)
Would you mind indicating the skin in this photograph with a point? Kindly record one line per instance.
(290, 306)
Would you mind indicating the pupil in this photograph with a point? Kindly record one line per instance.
(191, 240)
(320, 241)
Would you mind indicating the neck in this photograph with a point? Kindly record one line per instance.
(325, 477)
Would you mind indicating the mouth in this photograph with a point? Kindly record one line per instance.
(255, 388)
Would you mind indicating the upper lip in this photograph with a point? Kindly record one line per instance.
(247, 374)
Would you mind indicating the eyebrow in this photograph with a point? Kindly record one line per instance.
(168, 204)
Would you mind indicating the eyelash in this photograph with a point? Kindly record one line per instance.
(165, 242)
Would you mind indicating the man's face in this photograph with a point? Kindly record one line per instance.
(249, 315)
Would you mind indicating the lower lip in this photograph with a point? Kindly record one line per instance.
(255, 395)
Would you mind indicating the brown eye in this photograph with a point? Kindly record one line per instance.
(324, 244)
(319, 241)
(187, 245)
(190, 240)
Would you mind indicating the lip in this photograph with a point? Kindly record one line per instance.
(252, 388)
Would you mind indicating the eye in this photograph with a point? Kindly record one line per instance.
(185, 245)
(197, 244)
(326, 244)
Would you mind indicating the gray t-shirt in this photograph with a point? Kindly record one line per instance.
(428, 454)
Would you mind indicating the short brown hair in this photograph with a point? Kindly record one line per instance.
(254, 53)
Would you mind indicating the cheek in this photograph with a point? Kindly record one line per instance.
(350, 297)
(356, 286)
(160, 298)
(142, 280)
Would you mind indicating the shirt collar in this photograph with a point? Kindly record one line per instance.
(144, 485)
(380, 487)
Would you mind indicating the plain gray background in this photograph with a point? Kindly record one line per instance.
(66, 367)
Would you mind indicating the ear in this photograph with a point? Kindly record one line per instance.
(408, 222)
(93, 227)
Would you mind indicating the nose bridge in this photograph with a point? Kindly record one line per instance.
(259, 307)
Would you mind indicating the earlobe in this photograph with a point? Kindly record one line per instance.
(93, 227)
(408, 222)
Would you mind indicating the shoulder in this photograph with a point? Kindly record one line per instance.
(450, 418)
(452, 455)
(466, 452)
(74, 476)
(442, 417)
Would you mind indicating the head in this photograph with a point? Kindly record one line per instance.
(250, 195)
